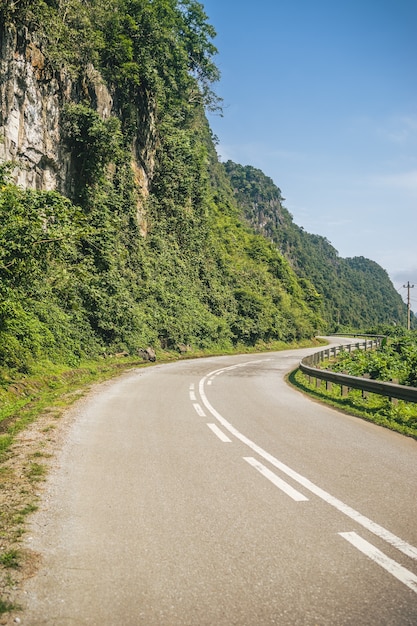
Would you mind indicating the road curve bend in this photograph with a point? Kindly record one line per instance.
(210, 493)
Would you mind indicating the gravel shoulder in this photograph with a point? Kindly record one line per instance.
(23, 482)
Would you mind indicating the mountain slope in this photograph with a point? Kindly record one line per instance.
(124, 229)
(356, 293)
(132, 236)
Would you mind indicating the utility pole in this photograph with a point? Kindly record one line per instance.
(408, 287)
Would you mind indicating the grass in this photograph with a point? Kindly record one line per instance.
(6, 606)
(399, 416)
(10, 559)
(36, 472)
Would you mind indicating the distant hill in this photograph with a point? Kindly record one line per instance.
(356, 292)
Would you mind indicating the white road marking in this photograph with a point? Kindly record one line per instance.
(394, 568)
(278, 482)
(192, 386)
(373, 527)
(192, 396)
(220, 434)
(199, 409)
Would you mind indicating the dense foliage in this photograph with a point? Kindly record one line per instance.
(112, 269)
(356, 292)
(395, 360)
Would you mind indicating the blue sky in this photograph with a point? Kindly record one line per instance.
(321, 95)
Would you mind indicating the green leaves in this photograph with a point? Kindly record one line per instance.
(78, 278)
(94, 143)
(395, 360)
(37, 231)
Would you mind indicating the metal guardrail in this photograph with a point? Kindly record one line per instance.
(391, 390)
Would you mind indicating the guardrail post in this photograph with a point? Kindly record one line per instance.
(394, 401)
(365, 393)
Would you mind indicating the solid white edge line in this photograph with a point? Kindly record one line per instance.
(401, 573)
(275, 480)
(373, 527)
(219, 433)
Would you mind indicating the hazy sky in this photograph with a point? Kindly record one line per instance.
(322, 96)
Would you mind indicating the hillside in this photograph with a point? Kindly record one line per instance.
(356, 292)
(119, 228)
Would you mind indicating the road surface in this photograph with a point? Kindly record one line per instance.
(210, 493)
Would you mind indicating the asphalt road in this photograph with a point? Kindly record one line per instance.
(208, 492)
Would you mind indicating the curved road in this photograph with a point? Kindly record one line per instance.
(208, 492)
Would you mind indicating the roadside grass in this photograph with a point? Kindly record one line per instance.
(30, 410)
(7, 607)
(399, 416)
(10, 559)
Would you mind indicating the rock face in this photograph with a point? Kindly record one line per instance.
(31, 98)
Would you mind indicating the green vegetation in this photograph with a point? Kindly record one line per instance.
(79, 278)
(401, 417)
(10, 559)
(113, 269)
(354, 292)
(6, 607)
(157, 243)
(395, 360)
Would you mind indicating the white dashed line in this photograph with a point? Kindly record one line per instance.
(275, 480)
(364, 521)
(219, 433)
(401, 573)
(199, 410)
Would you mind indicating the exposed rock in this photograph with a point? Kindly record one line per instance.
(183, 348)
(148, 354)
(98, 94)
(31, 99)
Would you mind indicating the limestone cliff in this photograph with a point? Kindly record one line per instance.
(32, 97)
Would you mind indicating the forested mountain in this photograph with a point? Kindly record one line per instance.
(123, 230)
(356, 292)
